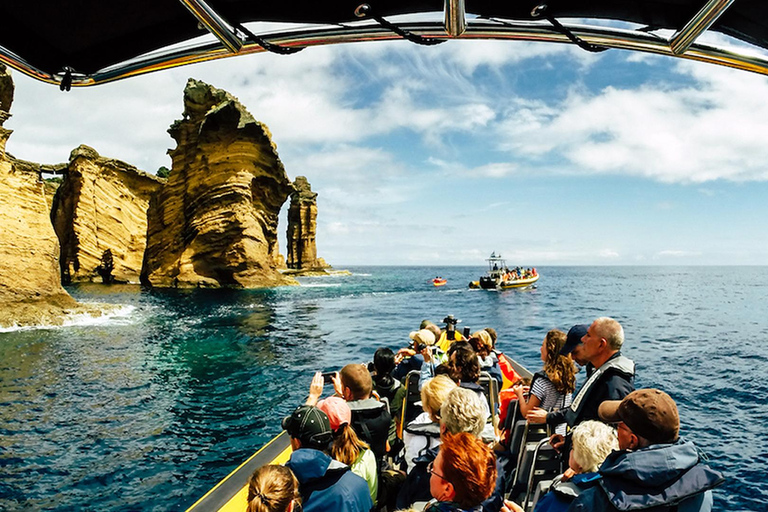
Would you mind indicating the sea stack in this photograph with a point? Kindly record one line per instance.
(302, 226)
(100, 216)
(214, 222)
(30, 287)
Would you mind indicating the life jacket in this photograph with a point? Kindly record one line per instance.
(443, 343)
(370, 421)
(622, 365)
(429, 431)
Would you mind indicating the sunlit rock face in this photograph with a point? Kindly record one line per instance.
(214, 223)
(302, 226)
(30, 288)
(100, 216)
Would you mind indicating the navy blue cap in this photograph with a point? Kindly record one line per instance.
(574, 338)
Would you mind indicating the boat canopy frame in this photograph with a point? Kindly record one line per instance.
(93, 42)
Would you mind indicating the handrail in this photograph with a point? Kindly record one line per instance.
(476, 29)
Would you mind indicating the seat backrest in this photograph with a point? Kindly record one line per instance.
(542, 488)
(412, 397)
(546, 464)
(525, 438)
(491, 392)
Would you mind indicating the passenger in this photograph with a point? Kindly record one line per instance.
(324, 483)
(612, 379)
(462, 411)
(273, 488)
(462, 475)
(552, 387)
(465, 371)
(370, 418)
(654, 468)
(574, 347)
(483, 345)
(593, 441)
(424, 431)
(388, 387)
(494, 336)
(410, 359)
(434, 329)
(433, 358)
(347, 447)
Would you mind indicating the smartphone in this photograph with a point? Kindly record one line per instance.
(328, 377)
(466, 332)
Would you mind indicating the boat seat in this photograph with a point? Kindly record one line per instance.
(523, 439)
(542, 488)
(539, 462)
(491, 392)
(411, 401)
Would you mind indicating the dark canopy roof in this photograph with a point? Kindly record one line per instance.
(44, 38)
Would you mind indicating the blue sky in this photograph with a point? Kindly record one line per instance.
(543, 152)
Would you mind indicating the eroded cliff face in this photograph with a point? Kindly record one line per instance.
(302, 226)
(30, 289)
(100, 216)
(214, 223)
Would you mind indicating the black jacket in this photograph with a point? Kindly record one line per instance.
(614, 383)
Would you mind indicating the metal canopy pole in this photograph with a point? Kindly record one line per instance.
(684, 38)
(455, 17)
(215, 24)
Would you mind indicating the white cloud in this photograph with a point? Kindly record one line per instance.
(608, 254)
(714, 129)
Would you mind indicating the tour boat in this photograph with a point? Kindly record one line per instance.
(501, 277)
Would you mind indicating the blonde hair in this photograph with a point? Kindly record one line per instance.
(484, 339)
(434, 393)
(272, 489)
(593, 441)
(463, 411)
(346, 447)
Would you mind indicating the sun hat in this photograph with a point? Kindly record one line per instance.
(423, 336)
(649, 413)
(309, 425)
(573, 338)
(337, 410)
(425, 323)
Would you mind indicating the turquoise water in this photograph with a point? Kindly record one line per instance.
(148, 409)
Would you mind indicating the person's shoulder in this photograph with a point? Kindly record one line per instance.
(592, 499)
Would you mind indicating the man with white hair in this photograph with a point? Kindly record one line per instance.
(611, 379)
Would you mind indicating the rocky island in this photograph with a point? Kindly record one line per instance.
(214, 223)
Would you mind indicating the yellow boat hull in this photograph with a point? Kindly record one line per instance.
(518, 283)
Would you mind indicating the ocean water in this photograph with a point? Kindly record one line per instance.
(149, 408)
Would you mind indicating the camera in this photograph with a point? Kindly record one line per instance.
(451, 322)
(420, 347)
(328, 377)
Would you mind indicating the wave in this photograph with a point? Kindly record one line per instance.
(321, 285)
(120, 315)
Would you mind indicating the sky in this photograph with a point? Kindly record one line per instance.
(542, 152)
